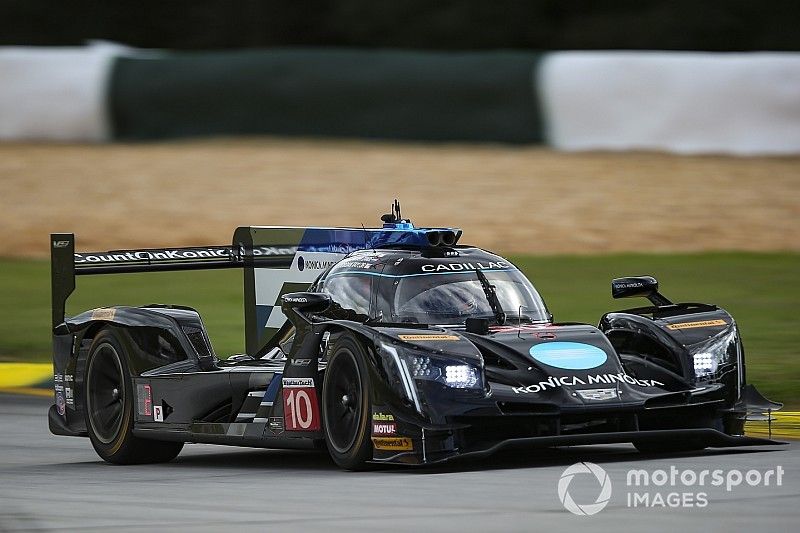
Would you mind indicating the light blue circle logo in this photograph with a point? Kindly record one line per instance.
(568, 355)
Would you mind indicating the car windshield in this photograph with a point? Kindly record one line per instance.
(451, 298)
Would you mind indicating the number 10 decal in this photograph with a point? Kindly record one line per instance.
(300, 408)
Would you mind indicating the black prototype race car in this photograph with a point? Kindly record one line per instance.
(403, 347)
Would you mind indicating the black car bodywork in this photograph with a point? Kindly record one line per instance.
(487, 368)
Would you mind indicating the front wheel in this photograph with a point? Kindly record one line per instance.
(346, 405)
(109, 407)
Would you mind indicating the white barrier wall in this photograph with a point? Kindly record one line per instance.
(686, 102)
(55, 93)
(680, 102)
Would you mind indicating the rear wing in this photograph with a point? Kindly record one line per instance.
(275, 260)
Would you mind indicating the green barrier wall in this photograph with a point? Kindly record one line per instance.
(481, 96)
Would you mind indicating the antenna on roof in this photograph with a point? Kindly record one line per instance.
(395, 219)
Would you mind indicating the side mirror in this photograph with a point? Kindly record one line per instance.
(306, 302)
(646, 286)
(634, 286)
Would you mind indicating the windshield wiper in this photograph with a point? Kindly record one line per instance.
(491, 297)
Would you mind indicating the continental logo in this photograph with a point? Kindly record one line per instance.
(103, 314)
(699, 324)
(400, 444)
(428, 337)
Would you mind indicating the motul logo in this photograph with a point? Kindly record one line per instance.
(384, 428)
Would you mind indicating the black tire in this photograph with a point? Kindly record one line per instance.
(689, 445)
(346, 405)
(109, 407)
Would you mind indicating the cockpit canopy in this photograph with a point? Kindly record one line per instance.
(405, 286)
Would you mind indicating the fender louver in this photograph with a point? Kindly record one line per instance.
(198, 340)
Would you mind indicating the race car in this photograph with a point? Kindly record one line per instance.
(388, 345)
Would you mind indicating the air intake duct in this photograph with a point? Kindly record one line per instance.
(442, 237)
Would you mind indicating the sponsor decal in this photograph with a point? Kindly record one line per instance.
(428, 337)
(104, 314)
(301, 362)
(313, 264)
(629, 285)
(300, 406)
(359, 264)
(568, 355)
(297, 382)
(275, 424)
(384, 428)
(61, 405)
(554, 382)
(597, 394)
(179, 254)
(401, 444)
(144, 400)
(158, 413)
(60, 244)
(464, 267)
(699, 324)
(382, 417)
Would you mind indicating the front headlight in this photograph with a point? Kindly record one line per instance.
(423, 366)
(710, 355)
(451, 373)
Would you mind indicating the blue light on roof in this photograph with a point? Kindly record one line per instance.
(345, 240)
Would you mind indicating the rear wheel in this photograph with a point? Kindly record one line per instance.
(109, 407)
(346, 405)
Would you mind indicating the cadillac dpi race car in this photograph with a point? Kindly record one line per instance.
(388, 345)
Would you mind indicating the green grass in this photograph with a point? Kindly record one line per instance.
(760, 290)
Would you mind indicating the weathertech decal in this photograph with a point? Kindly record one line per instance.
(297, 382)
(103, 314)
(700, 324)
(300, 406)
(402, 444)
(428, 337)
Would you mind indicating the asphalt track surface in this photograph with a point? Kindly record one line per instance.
(58, 483)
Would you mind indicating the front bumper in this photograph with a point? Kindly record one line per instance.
(712, 438)
(708, 423)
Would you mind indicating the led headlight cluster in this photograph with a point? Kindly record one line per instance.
(421, 367)
(720, 349)
(461, 376)
(448, 372)
(441, 369)
(704, 363)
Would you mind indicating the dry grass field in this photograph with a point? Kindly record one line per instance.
(509, 198)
